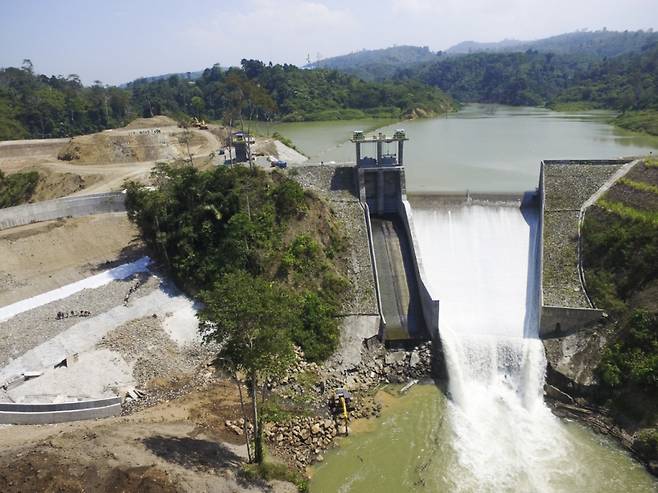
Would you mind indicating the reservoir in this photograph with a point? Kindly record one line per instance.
(482, 148)
(489, 429)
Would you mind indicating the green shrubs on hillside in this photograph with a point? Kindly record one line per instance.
(619, 255)
(620, 248)
(17, 188)
(633, 360)
(207, 227)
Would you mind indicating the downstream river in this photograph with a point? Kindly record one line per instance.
(495, 433)
(411, 449)
(488, 148)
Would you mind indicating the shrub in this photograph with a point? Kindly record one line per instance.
(646, 443)
(317, 332)
(289, 198)
(17, 188)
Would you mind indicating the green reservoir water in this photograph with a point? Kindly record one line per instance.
(481, 148)
(409, 449)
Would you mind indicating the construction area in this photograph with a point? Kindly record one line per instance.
(90, 328)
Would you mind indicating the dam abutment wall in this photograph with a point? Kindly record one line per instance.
(567, 188)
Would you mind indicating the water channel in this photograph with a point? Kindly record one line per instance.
(494, 432)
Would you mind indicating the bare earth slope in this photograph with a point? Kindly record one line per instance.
(44, 256)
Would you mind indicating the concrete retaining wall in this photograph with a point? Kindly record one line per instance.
(47, 413)
(48, 210)
(559, 321)
(429, 303)
(373, 260)
(381, 188)
(542, 206)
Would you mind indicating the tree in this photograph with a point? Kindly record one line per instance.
(250, 319)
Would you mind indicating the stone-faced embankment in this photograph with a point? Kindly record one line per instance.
(567, 187)
(572, 328)
(336, 185)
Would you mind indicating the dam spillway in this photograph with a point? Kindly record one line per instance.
(401, 311)
(481, 262)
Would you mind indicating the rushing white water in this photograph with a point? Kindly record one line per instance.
(481, 262)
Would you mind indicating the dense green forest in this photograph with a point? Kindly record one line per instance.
(582, 70)
(37, 106)
(626, 82)
(529, 78)
(586, 70)
(248, 226)
(377, 64)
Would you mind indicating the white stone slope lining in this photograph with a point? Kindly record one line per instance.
(118, 273)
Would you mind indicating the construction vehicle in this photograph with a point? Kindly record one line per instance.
(277, 163)
(201, 125)
(341, 404)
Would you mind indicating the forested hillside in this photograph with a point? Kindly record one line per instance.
(589, 46)
(377, 64)
(626, 82)
(38, 106)
(581, 70)
(528, 78)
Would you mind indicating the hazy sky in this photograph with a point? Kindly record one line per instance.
(119, 40)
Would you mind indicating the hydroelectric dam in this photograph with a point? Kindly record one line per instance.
(467, 272)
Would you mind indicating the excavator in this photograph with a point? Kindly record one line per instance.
(201, 125)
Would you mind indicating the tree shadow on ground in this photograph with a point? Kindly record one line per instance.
(343, 179)
(131, 252)
(201, 454)
(192, 452)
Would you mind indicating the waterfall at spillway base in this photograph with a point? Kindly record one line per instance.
(481, 263)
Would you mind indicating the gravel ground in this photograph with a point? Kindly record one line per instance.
(145, 343)
(336, 185)
(561, 281)
(567, 188)
(29, 329)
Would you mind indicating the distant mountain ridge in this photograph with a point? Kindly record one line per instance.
(377, 64)
(385, 63)
(602, 43)
(183, 75)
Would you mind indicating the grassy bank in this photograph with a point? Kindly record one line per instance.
(639, 121)
(574, 106)
(384, 112)
(645, 121)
